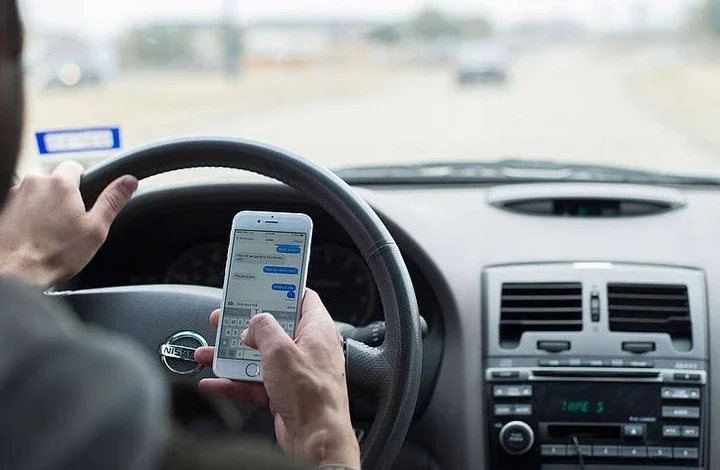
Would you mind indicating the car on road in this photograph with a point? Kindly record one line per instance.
(62, 61)
(481, 63)
(72, 72)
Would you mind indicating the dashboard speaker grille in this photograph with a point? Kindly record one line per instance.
(538, 307)
(651, 308)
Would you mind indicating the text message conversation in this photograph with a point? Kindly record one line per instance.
(264, 276)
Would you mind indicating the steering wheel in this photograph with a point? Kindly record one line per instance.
(153, 314)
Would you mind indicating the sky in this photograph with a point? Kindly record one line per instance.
(102, 17)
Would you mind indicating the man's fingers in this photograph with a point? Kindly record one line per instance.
(70, 172)
(204, 355)
(281, 434)
(236, 391)
(314, 313)
(112, 200)
(215, 318)
(312, 306)
(265, 334)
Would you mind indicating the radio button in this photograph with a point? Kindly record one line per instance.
(689, 453)
(638, 347)
(671, 431)
(505, 374)
(681, 412)
(512, 391)
(553, 450)
(585, 450)
(595, 363)
(633, 451)
(635, 431)
(500, 391)
(687, 376)
(522, 410)
(503, 410)
(516, 437)
(680, 393)
(605, 451)
(660, 452)
(690, 432)
(553, 346)
(639, 364)
(551, 362)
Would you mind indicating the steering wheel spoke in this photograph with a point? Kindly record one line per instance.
(367, 367)
(170, 321)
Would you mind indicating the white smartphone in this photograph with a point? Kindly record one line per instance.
(266, 270)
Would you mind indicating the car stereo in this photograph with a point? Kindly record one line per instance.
(603, 415)
(595, 365)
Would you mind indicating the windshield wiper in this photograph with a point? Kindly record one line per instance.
(511, 170)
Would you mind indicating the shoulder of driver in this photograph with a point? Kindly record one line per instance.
(73, 397)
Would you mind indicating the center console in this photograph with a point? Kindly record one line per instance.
(595, 365)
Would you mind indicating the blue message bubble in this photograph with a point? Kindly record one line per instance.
(290, 249)
(280, 270)
(284, 287)
(291, 294)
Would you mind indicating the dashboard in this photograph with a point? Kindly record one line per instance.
(557, 338)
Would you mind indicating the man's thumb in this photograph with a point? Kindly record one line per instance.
(264, 333)
(113, 199)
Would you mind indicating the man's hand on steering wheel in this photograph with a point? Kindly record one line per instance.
(46, 235)
(305, 384)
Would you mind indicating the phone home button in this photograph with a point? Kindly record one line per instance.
(252, 370)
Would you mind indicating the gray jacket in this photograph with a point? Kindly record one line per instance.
(74, 397)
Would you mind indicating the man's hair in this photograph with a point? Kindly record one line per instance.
(11, 92)
(11, 40)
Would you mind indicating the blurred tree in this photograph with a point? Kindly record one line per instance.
(704, 19)
(475, 27)
(713, 12)
(157, 45)
(386, 34)
(432, 23)
(230, 39)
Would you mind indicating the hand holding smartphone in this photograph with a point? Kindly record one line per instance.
(266, 271)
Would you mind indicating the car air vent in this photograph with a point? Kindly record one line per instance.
(651, 308)
(538, 307)
(587, 207)
(585, 200)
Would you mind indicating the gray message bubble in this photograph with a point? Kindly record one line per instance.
(261, 258)
(245, 276)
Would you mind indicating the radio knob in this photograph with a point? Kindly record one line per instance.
(516, 437)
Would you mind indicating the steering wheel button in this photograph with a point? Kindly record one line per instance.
(252, 370)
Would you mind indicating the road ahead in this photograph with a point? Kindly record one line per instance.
(567, 104)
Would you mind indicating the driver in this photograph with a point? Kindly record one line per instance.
(73, 397)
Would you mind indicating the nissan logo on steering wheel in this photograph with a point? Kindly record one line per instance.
(177, 353)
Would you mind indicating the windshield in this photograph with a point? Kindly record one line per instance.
(634, 83)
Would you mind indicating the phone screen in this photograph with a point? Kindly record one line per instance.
(264, 276)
